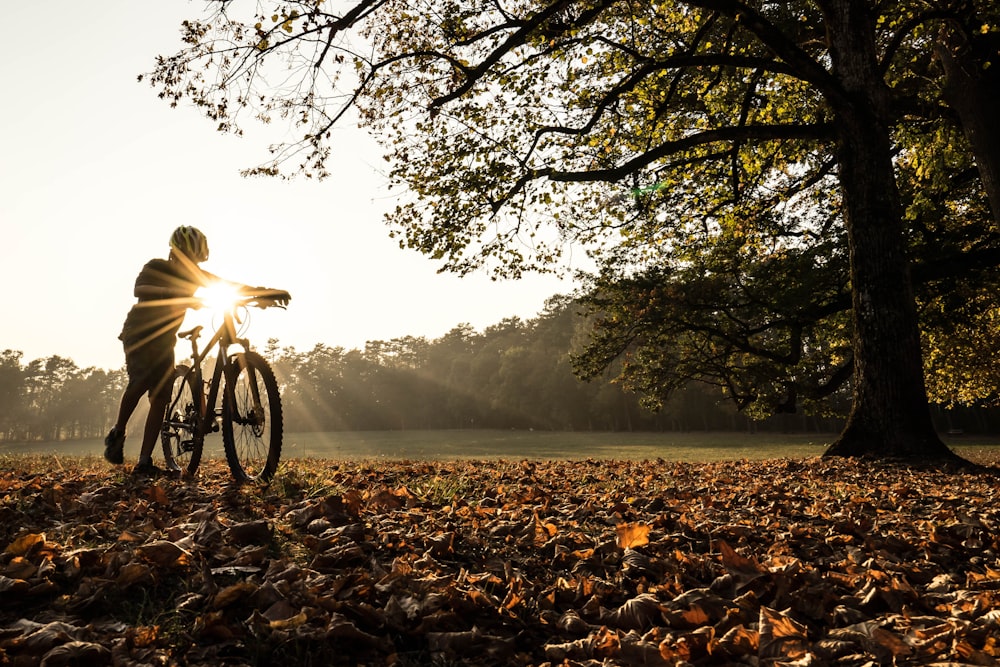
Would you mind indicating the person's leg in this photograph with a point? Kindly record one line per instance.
(136, 366)
(154, 421)
(114, 442)
(130, 399)
(159, 398)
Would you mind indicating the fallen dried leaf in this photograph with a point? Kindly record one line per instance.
(632, 535)
(164, 554)
(25, 544)
(708, 564)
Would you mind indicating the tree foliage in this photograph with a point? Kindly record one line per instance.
(776, 195)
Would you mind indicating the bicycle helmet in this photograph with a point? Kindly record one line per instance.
(191, 242)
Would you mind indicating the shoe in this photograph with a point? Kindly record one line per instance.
(147, 470)
(114, 447)
(152, 470)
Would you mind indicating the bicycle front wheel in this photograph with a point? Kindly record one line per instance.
(251, 418)
(181, 435)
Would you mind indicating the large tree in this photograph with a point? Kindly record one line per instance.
(752, 179)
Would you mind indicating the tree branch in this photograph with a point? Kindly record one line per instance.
(519, 38)
(804, 65)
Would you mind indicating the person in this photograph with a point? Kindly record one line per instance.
(164, 290)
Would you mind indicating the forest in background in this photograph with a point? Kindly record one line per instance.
(516, 374)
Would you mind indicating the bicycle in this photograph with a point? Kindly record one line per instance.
(250, 412)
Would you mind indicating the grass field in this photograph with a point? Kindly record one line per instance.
(514, 445)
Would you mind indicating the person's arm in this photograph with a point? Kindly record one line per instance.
(158, 293)
(278, 297)
(161, 280)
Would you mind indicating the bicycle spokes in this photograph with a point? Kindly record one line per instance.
(181, 436)
(252, 420)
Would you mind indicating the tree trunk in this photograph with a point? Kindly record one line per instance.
(972, 88)
(890, 416)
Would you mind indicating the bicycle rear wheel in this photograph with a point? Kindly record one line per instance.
(181, 436)
(251, 418)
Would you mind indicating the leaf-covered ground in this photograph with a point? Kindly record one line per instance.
(805, 562)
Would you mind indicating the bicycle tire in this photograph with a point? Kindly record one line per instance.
(181, 437)
(251, 437)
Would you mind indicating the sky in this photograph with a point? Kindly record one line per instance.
(96, 172)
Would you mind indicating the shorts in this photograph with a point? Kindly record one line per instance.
(151, 366)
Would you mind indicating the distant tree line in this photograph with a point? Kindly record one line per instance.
(516, 374)
(54, 399)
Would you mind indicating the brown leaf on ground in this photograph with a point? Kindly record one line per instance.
(792, 562)
(632, 535)
(162, 553)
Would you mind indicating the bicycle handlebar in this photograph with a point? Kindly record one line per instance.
(263, 302)
(263, 298)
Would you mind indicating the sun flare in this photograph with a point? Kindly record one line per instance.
(218, 296)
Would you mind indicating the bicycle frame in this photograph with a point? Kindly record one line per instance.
(224, 337)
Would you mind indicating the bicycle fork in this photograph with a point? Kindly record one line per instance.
(255, 417)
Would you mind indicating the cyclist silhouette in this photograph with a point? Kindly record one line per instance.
(164, 290)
